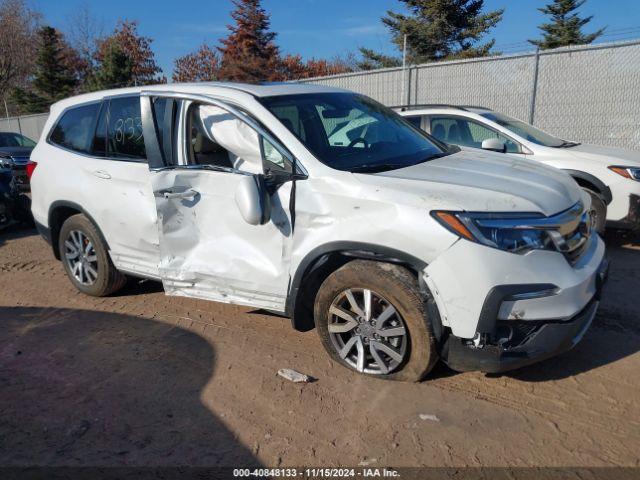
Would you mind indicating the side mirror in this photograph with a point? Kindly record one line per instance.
(494, 145)
(253, 200)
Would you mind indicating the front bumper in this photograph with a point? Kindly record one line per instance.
(513, 344)
(632, 220)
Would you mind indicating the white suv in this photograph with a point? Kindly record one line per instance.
(611, 176)
(397, 248)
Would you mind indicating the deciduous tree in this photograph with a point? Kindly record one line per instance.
(292, 67)
(18, 40)
(84, 32)
(565, 27)
(199, 66)
(144, 69)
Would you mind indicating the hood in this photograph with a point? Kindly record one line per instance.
(18, 153)
(475, 180)
(612, 156)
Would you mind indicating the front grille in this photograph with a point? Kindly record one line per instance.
(571, 236)
(513, 333)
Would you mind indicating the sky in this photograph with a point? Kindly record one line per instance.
(316, 28)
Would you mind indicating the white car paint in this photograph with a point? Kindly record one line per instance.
(590, 159)
(201, 247)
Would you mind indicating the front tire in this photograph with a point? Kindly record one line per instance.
(86, 259)
(372, 318)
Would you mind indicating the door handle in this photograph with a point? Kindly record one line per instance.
(102, 174)
(169, 194)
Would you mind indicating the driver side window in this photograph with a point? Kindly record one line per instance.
(460, 131)
(217, 137)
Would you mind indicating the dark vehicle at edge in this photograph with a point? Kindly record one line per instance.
(15, 150)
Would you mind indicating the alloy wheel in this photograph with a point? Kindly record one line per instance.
(81, 258)
(367, 331)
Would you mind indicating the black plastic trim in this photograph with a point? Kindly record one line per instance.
(44, 232)
(65, 203)
(603, 189)
(550, 339)
(632, 220)
(497, 295)
(360, 250)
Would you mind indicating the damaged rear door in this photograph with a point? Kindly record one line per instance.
(204, 156)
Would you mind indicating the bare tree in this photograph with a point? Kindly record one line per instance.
(84, 32)
(18, 43)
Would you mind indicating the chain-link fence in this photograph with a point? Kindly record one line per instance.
(589, 94)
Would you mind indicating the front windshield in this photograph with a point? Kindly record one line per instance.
(9, 139)
(351, 132)
(526, 131)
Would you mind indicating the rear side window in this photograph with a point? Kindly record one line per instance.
(416, 121)
(124, 130)
(75, 128)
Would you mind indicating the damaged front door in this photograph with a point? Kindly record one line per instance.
(204, 154)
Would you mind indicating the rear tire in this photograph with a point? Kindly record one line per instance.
(599, 211)
(355, 337)
(85, 258)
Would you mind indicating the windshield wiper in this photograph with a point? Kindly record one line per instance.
(377, 167)
(384, 167)
(566, 144)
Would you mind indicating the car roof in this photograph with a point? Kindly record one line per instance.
(404, 109)
(256, 90)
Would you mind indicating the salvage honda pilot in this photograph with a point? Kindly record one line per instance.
(396, 248)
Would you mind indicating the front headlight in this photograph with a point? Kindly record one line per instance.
(505, 232)
(632, 173)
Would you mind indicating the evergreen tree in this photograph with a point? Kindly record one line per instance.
(372, 60)
(437, 30)
(54, 78)
(115, 70)
(249, 53)
(566, 26)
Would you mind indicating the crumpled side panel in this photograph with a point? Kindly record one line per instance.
(208, 250)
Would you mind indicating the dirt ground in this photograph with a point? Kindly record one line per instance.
(147, 380)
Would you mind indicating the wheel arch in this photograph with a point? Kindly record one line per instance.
(59, 212)
(320, 262)
(586, 180)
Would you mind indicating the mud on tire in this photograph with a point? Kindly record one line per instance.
(393, 285)
(107, 278)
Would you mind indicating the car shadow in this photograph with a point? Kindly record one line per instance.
(16, 231)
(88, 388)
(139, 286)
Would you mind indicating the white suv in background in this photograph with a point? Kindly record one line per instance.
(611, 176)
(397, 248)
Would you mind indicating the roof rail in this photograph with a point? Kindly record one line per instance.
(436, 105)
